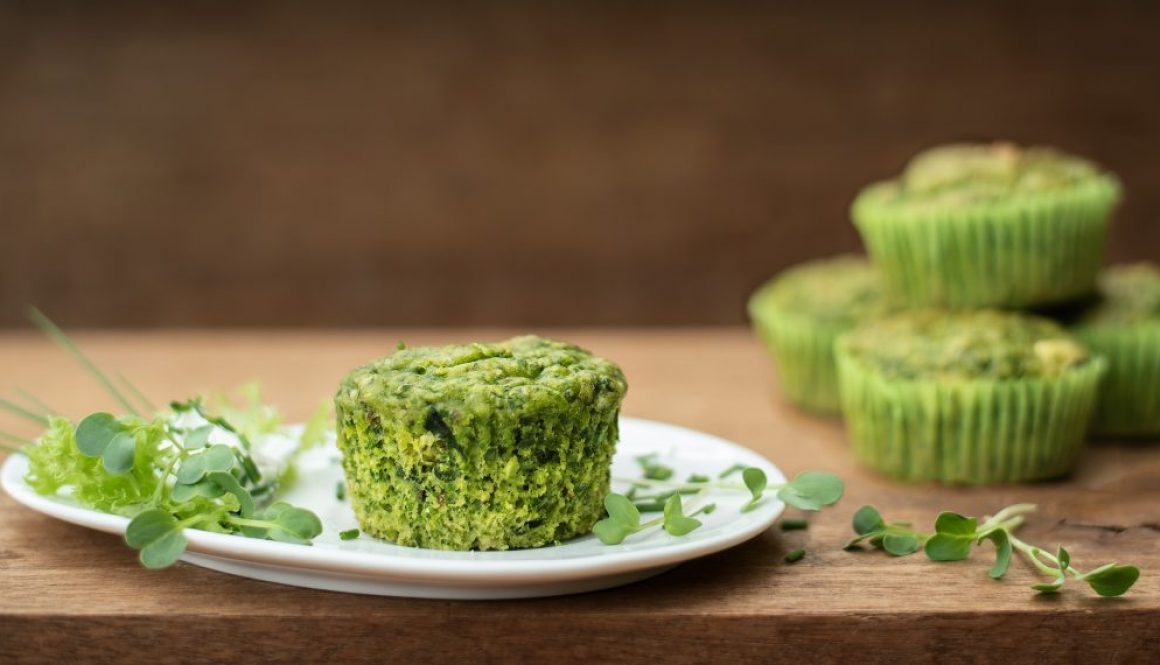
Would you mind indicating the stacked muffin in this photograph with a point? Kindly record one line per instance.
(923, 349)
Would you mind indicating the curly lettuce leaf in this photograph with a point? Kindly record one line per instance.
(56, 466)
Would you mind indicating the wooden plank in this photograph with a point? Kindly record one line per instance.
(69, 592)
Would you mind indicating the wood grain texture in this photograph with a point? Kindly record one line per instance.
(353, 163)
(72, 594)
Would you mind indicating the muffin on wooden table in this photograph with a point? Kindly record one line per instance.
(799, 314)
(968, 226)
(967, 397)
(1123, 326)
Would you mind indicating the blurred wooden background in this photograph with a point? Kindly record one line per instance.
(317, 164)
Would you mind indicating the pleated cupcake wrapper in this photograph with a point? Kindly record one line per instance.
(803, 354)
(1129, 399)
(968, 431)
(1031, 252)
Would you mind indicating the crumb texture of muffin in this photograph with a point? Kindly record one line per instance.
(1123, 326)
(798, 315)
(480, 446)
(989, 225)
(968, 397)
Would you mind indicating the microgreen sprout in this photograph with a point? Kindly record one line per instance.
(810, 490)
(955, 535)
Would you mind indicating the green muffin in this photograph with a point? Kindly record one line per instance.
(966, 397)
(798, 315)
(1123, 326)
(480, 446)
(989, 226)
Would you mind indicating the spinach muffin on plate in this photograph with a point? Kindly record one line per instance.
(969, 397)
(480, 446)
(798, 315)
(989, 225)
(1123, 326)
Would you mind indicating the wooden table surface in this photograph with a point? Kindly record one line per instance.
(67, 593)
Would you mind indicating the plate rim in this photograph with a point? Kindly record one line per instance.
(388, 566)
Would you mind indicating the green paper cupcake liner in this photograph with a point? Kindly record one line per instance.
(803, 355)
(1020, 253)
(969, 432)
(1129, 396)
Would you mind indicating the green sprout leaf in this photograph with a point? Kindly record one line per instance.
(219, 457)
(623, 520)
(164, 552)
(868, 520)
(1112, 579)
(612, 533)
(1002, 553)
(96, 432)
(953, 538)
(1063, 558)
(756, 482)
(349, 534)
(231, 485)
(119, 454)
(675, 521)
(900, 544)
(183, 493)
(812, 490)
(198, 437)
(158, 536)
(621, 510)
(292, 524)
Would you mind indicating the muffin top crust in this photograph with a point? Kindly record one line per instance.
(963, 345)
(521, 374)
(968, 174)
(1128, 293)
(840, 291)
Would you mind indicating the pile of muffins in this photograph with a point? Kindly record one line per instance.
(983, 341)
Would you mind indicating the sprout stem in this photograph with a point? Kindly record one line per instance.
(1034, 553)
(51, 329)
(681, 485)
(35, 401)
(17, 410)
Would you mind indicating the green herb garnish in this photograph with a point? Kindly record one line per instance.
(811, 490)
(349, 534)
(163, 472)
(956, 535)
(795, 556)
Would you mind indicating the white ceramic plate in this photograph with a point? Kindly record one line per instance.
(370, 566)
